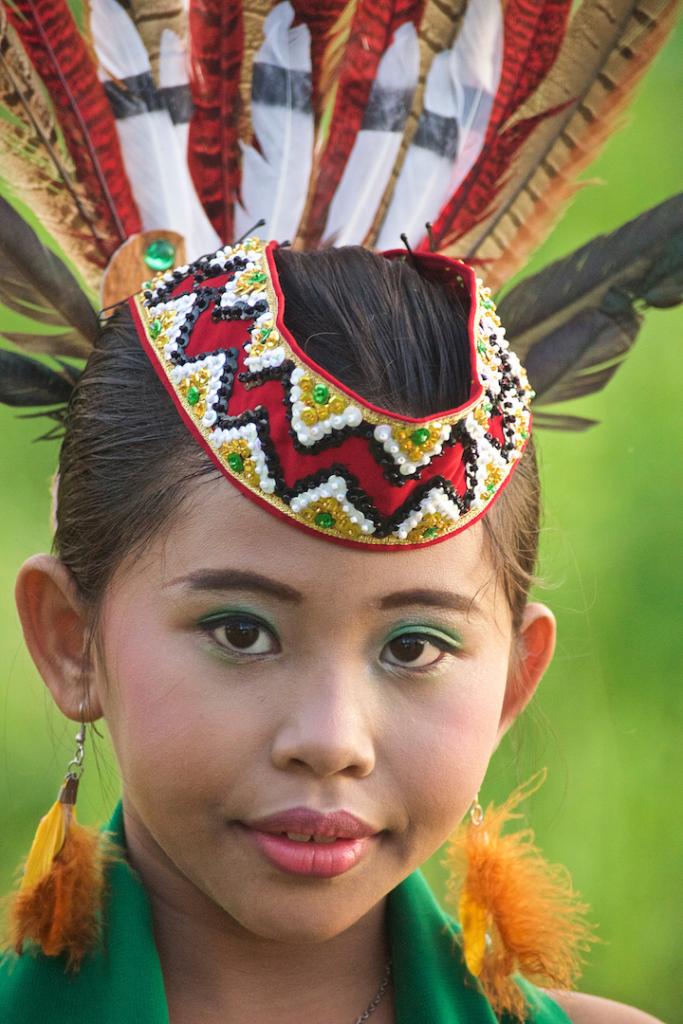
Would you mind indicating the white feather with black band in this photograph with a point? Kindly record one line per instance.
(461, 86)
(155, 164)
(275, 177)
(377, 144)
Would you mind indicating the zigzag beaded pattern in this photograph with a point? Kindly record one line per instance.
(320, 415)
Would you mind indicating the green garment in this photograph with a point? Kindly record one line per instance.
(123, 982)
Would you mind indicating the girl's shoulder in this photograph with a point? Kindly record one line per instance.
(582, 1008)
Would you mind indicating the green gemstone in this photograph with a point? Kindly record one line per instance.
(193, 395)
(160, 254)
(155, 329)
(325, 519)
(420, 436)
(236, 462)
(321, 394)
(258, 278)
(266, 332)
(431, 531)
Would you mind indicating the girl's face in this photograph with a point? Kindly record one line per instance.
(246, 668)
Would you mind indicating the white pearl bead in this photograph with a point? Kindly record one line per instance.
(382, 432)
(353, 416)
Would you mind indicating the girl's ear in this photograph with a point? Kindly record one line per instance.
(532, 652)
(55, 627)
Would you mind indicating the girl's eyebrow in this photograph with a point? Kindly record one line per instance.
(236, 579)
(449, 599)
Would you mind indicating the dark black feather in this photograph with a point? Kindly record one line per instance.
(580, 356)
(27, 382)
(574, 322)
(556, 421)
(37, 284)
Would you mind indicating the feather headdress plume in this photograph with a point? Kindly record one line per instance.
(554, 135)
(63, 60)
(275, 176)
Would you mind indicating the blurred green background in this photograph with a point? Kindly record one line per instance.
(607, 720)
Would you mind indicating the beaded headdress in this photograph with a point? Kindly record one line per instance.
(301, 443)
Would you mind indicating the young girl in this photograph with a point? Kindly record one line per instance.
(297, 506)
(299, 723)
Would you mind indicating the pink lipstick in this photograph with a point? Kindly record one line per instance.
(304, 842)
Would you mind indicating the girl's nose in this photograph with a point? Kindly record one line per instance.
(328, 728)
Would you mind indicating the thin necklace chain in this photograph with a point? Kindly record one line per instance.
(381, 991)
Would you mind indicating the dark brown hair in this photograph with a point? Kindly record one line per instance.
(127, 459)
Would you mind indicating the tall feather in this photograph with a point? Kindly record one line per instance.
(174, 85)
(254, 15)
(157, 169)
(27, 382)
(603, 56)
(320, 17)
(34, 159)
(63, 60)
(533, 32)
(355, 46)
(35, 283)
(376, 146)
(216, 45)
(275, 177)
(574, 322)
(459, 97)
(438, 27)
(152, 19)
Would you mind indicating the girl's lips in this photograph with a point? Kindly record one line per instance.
(314, 860)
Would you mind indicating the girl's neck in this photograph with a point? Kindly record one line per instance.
(217, 972)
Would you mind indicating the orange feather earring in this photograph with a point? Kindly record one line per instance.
(59, 901)
(518, 913)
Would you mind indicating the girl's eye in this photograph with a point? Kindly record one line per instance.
(418, 650)
(242, 635)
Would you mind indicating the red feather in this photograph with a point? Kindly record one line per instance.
(533, 33)
(216, 44)
(62, 59)
(319, 19)
(371, 31)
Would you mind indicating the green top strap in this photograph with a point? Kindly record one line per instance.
(122, 983)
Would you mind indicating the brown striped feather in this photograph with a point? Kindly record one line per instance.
(253, 15)
(151, 17)
(34, 159)
(604, 55)
(438, 29)
(333, 57)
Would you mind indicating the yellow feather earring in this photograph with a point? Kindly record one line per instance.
(59, 901)
(518, 913)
